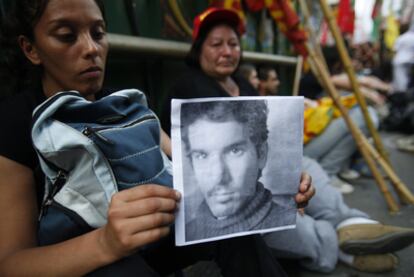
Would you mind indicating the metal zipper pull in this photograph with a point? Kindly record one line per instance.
(88, 131)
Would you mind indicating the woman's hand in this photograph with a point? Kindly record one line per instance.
(305, 193)
(136, 217)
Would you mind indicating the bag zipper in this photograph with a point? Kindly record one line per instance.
(94, 131)
(56, 187)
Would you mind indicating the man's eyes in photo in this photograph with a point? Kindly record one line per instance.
(237, 151)
(198, 155)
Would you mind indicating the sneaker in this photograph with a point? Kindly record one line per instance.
(363, 239)
(363, 169)
(405, 144)
(349, 174)
(375, 263)
(342, 186)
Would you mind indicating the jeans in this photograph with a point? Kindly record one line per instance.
(334, 147)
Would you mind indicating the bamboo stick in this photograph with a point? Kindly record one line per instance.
(351, 75)
(298, 75)
(356, 133)
(403, 192)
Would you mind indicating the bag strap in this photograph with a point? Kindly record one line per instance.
(37, 114)
(50, 101)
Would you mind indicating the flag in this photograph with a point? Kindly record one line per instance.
(288, 22)
(376, 18)
(346, 16)
(392, 31)
(255, 5)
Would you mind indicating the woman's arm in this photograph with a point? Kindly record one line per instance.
(166, 143)
(136, 217)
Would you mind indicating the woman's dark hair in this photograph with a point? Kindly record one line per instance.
(16, 71)
(192, 58)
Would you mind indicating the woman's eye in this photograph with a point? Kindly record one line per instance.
(69, 37)
(98, 35)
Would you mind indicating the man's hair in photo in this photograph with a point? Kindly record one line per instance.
(263, 72)
(251, 113)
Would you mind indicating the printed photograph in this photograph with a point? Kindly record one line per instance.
(237, 163)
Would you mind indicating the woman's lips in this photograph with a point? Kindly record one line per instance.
(93, 72)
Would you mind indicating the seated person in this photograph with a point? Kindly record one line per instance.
(330, 231)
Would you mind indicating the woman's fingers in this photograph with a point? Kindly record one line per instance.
(142, 207)
(146, 191)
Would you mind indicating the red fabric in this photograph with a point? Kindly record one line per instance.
(288, 23)
(346, 16)
(215, 14)
(255, 5)
(376, 10)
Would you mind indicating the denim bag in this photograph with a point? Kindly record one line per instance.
(90, 150)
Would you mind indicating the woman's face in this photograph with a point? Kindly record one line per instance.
(71, 46)
(220, 52)
(253, 79)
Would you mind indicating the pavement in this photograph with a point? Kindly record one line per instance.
(368, 198)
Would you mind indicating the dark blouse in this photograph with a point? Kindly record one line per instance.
(196, 84)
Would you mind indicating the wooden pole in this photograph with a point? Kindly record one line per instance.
(403, 192)
(356, 133)
(298, 75)
(352, 76)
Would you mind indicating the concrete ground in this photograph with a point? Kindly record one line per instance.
(368, 198)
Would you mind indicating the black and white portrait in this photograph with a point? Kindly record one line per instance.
(237, 163)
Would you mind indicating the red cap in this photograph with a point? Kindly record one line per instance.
(213, 15)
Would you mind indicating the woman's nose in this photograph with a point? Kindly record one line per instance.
(226, 49)
(90, 46)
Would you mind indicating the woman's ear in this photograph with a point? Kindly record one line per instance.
(29, 50)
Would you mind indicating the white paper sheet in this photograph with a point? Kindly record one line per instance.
(219, 199)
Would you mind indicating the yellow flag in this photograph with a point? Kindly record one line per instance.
(392, 31)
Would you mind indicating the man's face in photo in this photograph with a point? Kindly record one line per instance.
(226, 164)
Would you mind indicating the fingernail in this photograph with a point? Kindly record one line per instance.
(178, 195)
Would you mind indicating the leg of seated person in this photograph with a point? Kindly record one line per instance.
(335, 145)
(313, 242)
(240, 256)
(328, 203)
